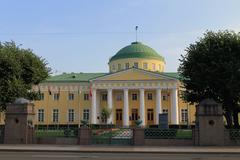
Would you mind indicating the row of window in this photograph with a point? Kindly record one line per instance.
(134, 116)
(55, 115)
(146, 66)
(71, 97)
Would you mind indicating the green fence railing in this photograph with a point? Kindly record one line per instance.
(156, 133)
(56, 131)
(113, 136)
(234, 134)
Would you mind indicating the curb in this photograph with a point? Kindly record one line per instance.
(115, 151)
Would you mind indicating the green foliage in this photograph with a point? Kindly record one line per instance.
(105, 114)
(138, 122)
(211, 69)
(20, 69)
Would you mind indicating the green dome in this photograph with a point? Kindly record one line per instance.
(136, 50)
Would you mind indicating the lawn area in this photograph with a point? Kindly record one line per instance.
(184, 134)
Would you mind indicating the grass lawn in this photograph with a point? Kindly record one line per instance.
(184, 134)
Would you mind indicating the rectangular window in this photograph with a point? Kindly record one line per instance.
(41, 115)
(86, 97)
(119, 97)
(113, 67)
(135, 64)
(165, 111)
(184, 115)
(119, 66)
(134, 96)
(56, 96)
(150, 96)
(159, 67)
(86, 114)
(165, 97)
(70, 115)
(145, 66)
(153, 67)
(41, 96)
(104, 97)
(134, 114)
(150, 114)
(126, 65)
(55, 115)
(70, 96)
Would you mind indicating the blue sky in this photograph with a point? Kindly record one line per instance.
(81, 35)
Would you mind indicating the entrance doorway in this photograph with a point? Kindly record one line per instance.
(119, 117)
(150, 117)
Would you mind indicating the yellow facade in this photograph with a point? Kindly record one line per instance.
(118, 80)
(137, 71)
(146, 64)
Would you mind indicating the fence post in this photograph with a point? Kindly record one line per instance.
(84, 136)
(138, 136)
(19, 122)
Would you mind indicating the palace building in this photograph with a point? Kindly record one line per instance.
(136, 87)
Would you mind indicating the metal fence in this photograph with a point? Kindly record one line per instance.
(112, 136)
(156, 133)
(56, 131)
(2, 129)
(234, 134)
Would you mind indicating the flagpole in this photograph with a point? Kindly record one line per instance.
(136, 28)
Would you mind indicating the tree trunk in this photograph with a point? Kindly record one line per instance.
(228, 119)
(235, 119)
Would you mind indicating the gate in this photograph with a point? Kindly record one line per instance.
(2, 127)
(112, 136)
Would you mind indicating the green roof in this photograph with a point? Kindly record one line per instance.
(86, 77)
(136, 50)
(74, 77)
(171, 74)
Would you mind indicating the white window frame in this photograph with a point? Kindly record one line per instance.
(145, 65)
(41, 115)
(127, 65)
(56, 96)
(86, 113)
(55, 114)
(71, 115)
(71, 96)
(184, 115)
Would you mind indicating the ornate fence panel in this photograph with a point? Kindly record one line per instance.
(2, 127)
(156, 133)
(234, 134)
(112, 136)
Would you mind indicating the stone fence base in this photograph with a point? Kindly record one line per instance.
(56, 140)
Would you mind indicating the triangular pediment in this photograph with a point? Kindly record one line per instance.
(134, 74)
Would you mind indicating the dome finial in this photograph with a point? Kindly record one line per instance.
(136, 28)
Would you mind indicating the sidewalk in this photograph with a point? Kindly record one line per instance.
(120, 149)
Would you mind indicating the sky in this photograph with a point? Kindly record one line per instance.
(81, 35)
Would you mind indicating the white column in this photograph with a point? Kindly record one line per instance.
(142, 107)
(110, 105)
(174, 107)
(126, 109)
(94, 107)
(158, 105)
(98, 112)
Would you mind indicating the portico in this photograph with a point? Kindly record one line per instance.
(139, 102)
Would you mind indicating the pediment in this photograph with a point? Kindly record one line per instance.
(133, 74)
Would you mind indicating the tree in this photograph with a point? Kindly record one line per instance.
(105, 114)
(211, 69)
(20, 69)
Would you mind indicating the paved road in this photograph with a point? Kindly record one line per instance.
(112, 156)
